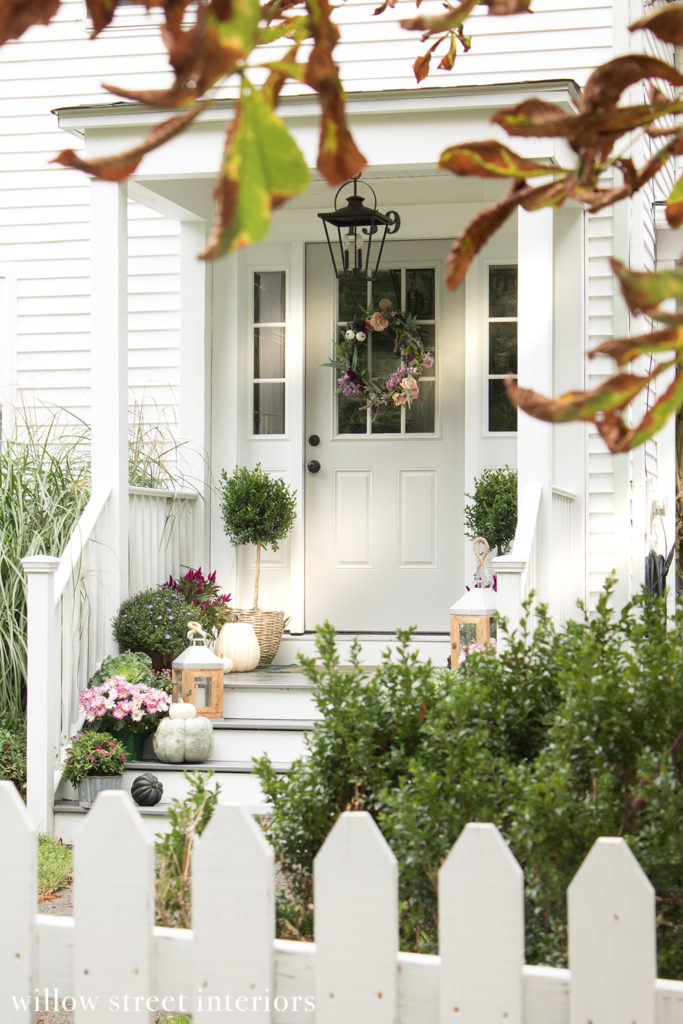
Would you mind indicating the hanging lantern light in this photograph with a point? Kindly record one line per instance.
(356, 233)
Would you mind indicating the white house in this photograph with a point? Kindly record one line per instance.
(102, 298)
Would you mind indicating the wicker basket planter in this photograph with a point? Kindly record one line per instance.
(268, 626)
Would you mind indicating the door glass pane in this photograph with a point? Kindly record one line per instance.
(387, 420)
(428, 335)
(502, 347)
(269, 297)
(385, 356)
(269, 352)
(420, 293)
(421, 417)
(269, 408)
(502, 415)
(351, 419)
(387, 285)
(352, 298)
(503, 291)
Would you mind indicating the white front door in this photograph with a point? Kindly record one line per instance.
(384, 512)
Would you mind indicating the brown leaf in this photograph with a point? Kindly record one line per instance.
(121, 165)
(490, 159)
(173, 98)
(18, 15)
(339, 159)
(385, 6)
(475, 235)
(613, 394)
(101, 13)
(535, 118)
(608, 81)
(665, 22)
(504, 7)
(421, 66)
(553, 194)
(620, 438)
(439, 23)
(625, 350)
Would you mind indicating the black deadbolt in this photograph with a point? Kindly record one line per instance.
(313, 466)
(314, 440)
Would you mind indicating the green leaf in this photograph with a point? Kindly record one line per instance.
(262, 166)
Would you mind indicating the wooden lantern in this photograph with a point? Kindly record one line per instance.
(475, 608)
(198, 679)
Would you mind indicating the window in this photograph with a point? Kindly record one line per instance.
(502, 346)
(413, 290)
(268, 334)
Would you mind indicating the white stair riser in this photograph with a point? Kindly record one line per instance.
(268, 703)
(235, 787)
(243, 744)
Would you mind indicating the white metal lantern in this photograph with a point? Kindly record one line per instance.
(475, 608)
(198, 679)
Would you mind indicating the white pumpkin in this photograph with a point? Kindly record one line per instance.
(182, 710)
(237, 641)
(183, 739)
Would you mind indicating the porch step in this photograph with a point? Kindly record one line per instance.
(268, 696)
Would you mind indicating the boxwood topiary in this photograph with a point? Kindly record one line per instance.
(492, 513)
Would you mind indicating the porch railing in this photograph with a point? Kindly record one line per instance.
(67, 622)
(517, 572)
(109, 961)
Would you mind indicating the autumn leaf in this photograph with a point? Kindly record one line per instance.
(431, 24)
(339, 159)
(535, 118)
(18, 15)
(121, 165)
(262, 167)
(502, 7)
(620, 438)
(625, 350)
(477, 233)
(101, 13)
(613, 394)
(664, 22)
(674, 205)
(491, 159)
(421, 65)
(644, 290)
(606, 84)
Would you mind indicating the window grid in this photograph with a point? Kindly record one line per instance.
(501, 417)
(268, 336)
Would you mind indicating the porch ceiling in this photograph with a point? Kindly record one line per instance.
(401, 133)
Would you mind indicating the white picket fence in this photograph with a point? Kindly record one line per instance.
(113, 965)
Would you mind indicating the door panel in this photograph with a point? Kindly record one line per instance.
(383, 515)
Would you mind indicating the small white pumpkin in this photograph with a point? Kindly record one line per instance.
(183, 739)
(182, 710)
(227, 665)
(237, 641)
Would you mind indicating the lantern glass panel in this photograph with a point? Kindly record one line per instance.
(468, 634)
(202, 691)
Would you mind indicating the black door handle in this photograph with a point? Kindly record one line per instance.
(314, 466)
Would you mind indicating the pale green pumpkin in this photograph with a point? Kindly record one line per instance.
(183, 739)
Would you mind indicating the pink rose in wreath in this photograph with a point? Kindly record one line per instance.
(378, 322)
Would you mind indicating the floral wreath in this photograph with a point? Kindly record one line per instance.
(401, 386)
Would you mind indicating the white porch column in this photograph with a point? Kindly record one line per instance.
(43, 699)
(528, 566)
(109, 344)
(195, 371)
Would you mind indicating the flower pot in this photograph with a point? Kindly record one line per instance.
(268, 626)
(132, 743)
(91, 785)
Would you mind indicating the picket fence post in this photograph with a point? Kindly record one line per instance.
(355, 881)
(481, 930)
(114, 913)
(18, 896)
(612, 939)
(233, 920)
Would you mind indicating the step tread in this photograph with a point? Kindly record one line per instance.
(220, 767)
(265, 724)
(159, 810)
(241, 681)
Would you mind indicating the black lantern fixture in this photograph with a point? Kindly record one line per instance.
(360, 233)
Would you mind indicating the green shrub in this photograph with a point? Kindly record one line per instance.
(492, 513)
(55, 864)
(257, 508)
(568, 735)
(187, 819)
(154, 621)
(13, 753)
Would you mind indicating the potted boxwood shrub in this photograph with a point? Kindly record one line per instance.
(94, 761)
(258, 509)
(492, 513)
